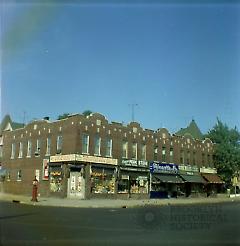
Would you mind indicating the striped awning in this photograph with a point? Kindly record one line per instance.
(213, 178)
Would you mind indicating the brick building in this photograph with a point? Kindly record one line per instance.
(89, 157)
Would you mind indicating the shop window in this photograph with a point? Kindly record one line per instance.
(59, 144)
(125, 149)
(13, 150)
(155, 153)
(48, 147)
(164, 154)
(109, 147)
(56, 179)
(19, 175)
(138, 184)
(85, 144)
(143, 152)
(171, 155)
(97, 145)
(134, 151)
(20, 154)
(123, 184)
(29, 148)
(102, 180)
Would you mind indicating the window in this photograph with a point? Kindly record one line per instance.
(20, 154)
(164, 135)
(125, 149)
(203, 159)
(209, 160)
(134, 151)
(171, 155)
(109, 147)
(182, 157)
(19, 175)
(29, 149)
(8, 176)
(188, 157)
(48, 149)
(97, 145)
(164, 154)
(155, 153)
(85, 144)
(38, 147)
(13, 151)
(143, 152)
(59, 144)
(194, 158)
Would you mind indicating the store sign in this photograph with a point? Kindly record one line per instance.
(207, 170)
(134, 163)
(157, 167)
(188, 168)
(83, 158)
(45, 169)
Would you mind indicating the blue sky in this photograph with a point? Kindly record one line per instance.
(176, 61)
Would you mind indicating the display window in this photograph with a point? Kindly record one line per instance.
(123, 184)
(139, 184)
(56, 180)
(102, 180)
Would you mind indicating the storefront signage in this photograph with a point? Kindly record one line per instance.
(188, 168)
(83, 158)
(134, 163)
(157, 167)
(207, 170)
(45, 169)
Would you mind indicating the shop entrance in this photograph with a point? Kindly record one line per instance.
(76, 185)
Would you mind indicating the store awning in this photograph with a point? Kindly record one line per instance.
(193, 178)
(164, 178)
(213, 178)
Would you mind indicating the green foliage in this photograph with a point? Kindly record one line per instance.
(63, 116)
(227, 150)
(87, 113)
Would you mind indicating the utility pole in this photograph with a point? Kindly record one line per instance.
(133, 107)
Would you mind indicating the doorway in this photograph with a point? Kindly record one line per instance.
(76, 185)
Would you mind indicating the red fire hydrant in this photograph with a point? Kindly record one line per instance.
(34, 191)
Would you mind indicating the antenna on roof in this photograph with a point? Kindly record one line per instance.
(132, 107)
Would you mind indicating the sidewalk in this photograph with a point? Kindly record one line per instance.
(107, 203)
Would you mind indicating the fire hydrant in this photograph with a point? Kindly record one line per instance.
(34, 190)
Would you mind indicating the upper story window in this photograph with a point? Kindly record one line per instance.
(19, 175)
(29, 148)
(163, 154)
(134, 151)
(13, 151)
(97, 145)
(38, 147)
(155, 153)
(125, 149)
(171, 155)
(194, 158)
(109, 147)
(182, 157)
(59, 144)
(143, 152)
(164, 135)
(209, 160)
(98, 122)
(188, 157)
(20, 154)
(203, 159)
(85, 143)
(48, 147)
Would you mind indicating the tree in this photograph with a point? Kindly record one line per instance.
(227, 150)
(87, 113)
(63, 116)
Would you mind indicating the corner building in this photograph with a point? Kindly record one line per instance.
(88, 157)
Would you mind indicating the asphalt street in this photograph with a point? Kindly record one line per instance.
(206, 224)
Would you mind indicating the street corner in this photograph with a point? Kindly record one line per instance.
(150, 218)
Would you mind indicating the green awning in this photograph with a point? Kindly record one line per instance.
(193, 178)
(164, 178)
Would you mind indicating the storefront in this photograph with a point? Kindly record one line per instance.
(165, 181)
(194, 182)
(133, 179)
(214, 184)
(82, 177)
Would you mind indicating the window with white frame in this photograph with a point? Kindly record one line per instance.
(134, 151)
(155, 153)
(171, 155)
(109, 147)
(20, 154)
(59, 144)
(48, 147)
(163, 153)
(13, 151)
(143, 152)
(97, 145)
(38, 147)
(19, 175)
(125, 149)
(29, 148)
(85, 143)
